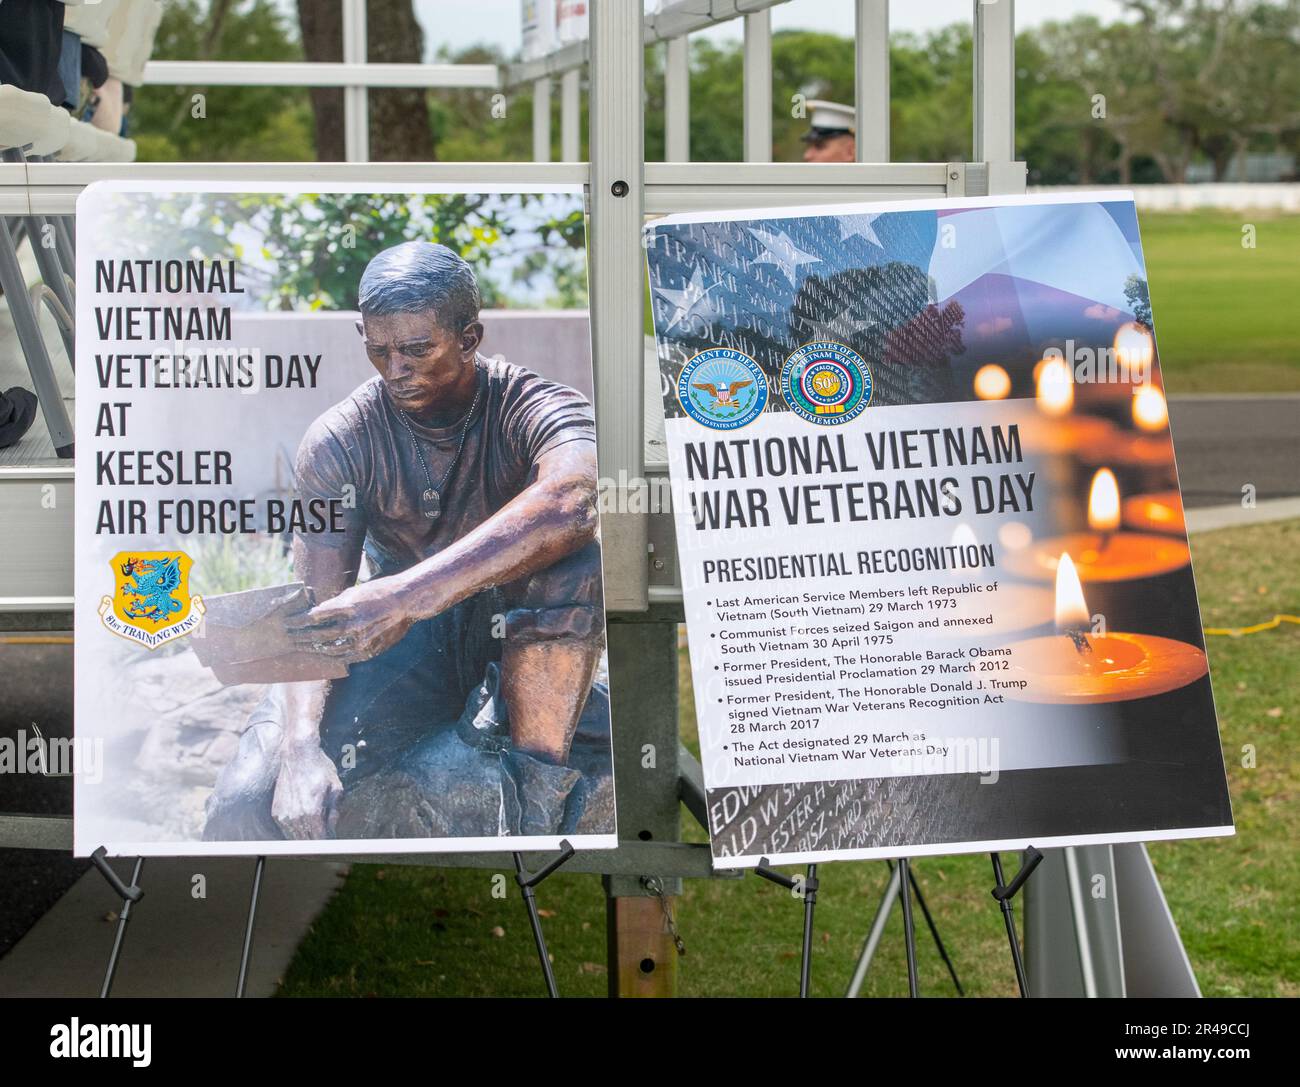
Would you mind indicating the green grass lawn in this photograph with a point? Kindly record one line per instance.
(396, 930)
(1223, 313)
(1235, 898)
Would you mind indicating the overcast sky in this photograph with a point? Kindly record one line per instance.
(456, 23)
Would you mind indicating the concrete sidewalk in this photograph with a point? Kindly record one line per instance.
(1234, 515)
(176, 945)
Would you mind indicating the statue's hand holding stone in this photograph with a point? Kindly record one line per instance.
(360, 623)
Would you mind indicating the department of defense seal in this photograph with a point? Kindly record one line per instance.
(826, 383)
(722, 388)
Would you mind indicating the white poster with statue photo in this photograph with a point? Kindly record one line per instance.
(338, 581)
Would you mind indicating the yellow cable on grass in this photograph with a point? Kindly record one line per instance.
(1237, 632)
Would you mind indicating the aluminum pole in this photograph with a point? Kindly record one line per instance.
(571, 116)
(994, 109)
(883, 910)
(617, 149)
(1079, 912)
(758, 86)
(356, 118)
(542, 120)
(677, 101)
(871, 79)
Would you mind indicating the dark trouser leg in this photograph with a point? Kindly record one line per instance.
(554, 635)
(411, 690)
(555, 632)
(383, 706)
(239, 809)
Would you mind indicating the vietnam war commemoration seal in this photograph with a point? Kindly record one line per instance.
(722, 388)
(826, 383)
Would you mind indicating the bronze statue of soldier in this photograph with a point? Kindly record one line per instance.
(473, 643)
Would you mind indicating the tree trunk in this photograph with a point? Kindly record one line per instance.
(1124, 160)
(1088, 148)
(399, 117)
(220, 9)
(321, 26)
(1220, 150)
(208, 46)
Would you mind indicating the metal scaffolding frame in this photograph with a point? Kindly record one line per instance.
(642, 590)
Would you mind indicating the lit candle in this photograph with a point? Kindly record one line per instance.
(1134, 348)
(1150, 409)
(1103, 506)
(992, 382)
(1101, 554)
(1161, 511)
(1134, 352)
(1055, 388)
(1150, 448)
(1076, 666)
(1057, 430)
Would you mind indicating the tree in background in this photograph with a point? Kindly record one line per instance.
(465, 125)
(1178, 82)
(309, 250)
(1086, 108)
(1139, 299)
(932, 121)
(231, 124)
(321, 246)
(1223, 74)
(399, 116)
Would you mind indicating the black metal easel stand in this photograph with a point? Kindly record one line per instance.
(892, 889)
(909, 928)
(934, 929)
(808, 888)
(527, 881)
(242, 984)
(1004, 893)
(129, 895)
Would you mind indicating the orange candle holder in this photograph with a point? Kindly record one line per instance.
(1159, 511)
(1076, 667)
(1116, 667)
(1121, 556)
(1066, 435)
(1128, 449)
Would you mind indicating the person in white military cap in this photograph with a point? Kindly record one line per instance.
(830, 135)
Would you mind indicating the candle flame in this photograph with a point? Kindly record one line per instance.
(1055, 387)
(1071, 608)
(992, 382)
(1150, 411)
(1103, 502)
(1134, 347)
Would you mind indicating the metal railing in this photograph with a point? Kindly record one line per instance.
(623, 189)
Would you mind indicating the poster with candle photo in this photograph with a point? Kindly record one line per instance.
(338, 581)
(936, 578)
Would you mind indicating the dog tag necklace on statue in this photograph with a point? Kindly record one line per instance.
(431, 497)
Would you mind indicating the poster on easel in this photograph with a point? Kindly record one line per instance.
(936, 576)
(338, 569)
